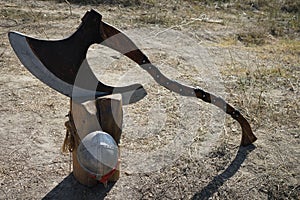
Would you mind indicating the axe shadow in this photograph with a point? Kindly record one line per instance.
(220, 179)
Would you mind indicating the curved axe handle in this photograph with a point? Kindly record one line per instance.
(118, 41)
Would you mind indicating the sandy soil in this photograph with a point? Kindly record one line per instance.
(172, 147)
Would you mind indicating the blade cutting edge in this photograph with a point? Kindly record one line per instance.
(36, 67)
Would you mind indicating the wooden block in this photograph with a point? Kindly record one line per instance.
(111, 121)
(104, 113)
(111, 115)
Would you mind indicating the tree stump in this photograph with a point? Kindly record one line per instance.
(103, 114)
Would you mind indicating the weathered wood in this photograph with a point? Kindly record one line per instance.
(111, 121)
(104, 113)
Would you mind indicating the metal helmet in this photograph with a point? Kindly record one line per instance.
(98, 154)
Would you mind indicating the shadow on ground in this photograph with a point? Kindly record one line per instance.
(220, 179)
(70, 188)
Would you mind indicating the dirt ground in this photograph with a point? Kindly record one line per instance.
(173, 147)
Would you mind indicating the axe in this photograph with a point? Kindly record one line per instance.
(62, 64)
(57, 64)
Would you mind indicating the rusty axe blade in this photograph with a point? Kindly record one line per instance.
(38, 69)
(62, 64)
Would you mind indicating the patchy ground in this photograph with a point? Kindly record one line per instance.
(172, 147)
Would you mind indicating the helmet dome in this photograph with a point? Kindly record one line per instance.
(98, 153)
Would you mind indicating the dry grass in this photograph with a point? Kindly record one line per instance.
(257, 51)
